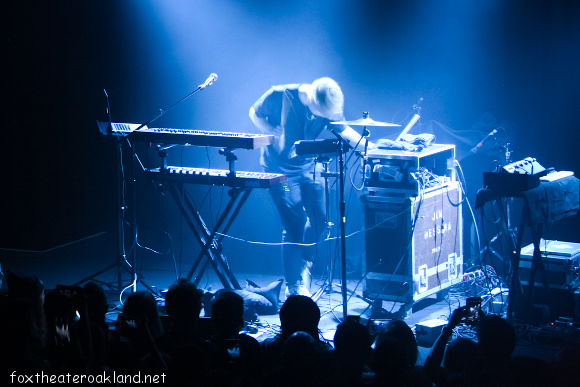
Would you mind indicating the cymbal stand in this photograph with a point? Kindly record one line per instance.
(342, 143)
(327, 286)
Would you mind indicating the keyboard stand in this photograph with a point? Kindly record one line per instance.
(537, 265)
(546, 203)
(539, 208)
(210, 242)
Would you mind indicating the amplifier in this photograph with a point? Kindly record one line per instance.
(396, 170)
(561, 264)
(406, 263)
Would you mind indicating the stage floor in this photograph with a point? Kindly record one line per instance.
(76, 262)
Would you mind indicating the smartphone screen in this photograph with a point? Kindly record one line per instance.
(129, 322)
(472, 305)
(375, 325)
(233, 348)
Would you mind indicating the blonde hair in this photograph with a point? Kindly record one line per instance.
(327, 97)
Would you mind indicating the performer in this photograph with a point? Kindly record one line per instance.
(292, 113)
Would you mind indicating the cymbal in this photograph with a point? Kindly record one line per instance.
(364, 122)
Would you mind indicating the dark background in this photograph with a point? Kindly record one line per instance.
(477, 66)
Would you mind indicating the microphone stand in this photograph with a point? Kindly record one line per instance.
(121, 207)
(342, 208)
(162, 153)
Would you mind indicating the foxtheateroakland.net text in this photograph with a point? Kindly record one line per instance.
(104, 378)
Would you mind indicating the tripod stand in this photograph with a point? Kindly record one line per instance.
(121, 263)
(327, 285)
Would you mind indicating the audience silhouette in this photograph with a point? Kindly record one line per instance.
(239, 356)
(496, 341)
(138, 326)
(22, 327)
(564, 366)
(298, 314)
(352, 350)
(69, 347)
(97, 308)
(459, 358)
(188, 357)
(65, 332)
(395, 357)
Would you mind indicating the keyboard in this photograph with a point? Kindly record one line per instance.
(217, 177)
(201, 138)
(556, 175)
(118, 128)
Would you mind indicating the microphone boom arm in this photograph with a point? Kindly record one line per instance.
(208, 82)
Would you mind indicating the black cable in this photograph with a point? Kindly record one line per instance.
(488, 280)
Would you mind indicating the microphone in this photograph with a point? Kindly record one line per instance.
(416, 105)
(108, 107)
(211, 79)
(476, 148)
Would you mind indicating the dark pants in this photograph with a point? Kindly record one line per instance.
(300, 201)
